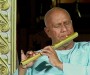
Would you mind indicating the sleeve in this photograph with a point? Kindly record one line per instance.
(71, 69)
(88, 68)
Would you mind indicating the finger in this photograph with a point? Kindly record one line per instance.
(30, 53)
(48, 48)
(34, 55)
(46, 52)
(37, 53)
(22, 52)
(51, 48)
(23, 57)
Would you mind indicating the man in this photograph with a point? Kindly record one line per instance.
(73, 58)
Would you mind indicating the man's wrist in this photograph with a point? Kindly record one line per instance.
(60, 65)
(23, 67)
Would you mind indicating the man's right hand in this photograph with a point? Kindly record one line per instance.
(28, 55)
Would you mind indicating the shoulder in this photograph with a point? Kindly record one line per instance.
(83, 45)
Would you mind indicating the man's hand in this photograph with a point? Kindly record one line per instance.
(29, 54)
(53, 58)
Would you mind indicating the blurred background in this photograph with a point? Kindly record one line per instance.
(30, 25)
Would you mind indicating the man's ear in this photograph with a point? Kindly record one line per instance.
(47, 31)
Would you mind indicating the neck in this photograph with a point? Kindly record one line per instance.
(67, 46)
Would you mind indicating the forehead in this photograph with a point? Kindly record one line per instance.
(59, 17)
(56, 17)
(58, 14)
(61, 14)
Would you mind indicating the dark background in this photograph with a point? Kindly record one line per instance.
(30, 13)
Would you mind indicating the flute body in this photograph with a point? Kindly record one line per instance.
(67, 39)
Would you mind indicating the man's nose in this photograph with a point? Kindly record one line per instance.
(64, 28)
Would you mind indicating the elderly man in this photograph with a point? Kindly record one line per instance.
(73, 58)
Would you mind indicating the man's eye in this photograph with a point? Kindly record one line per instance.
(66, 23)
(56, 26)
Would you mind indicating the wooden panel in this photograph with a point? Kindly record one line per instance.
(83, 37)
(67, 1)
(84, 1)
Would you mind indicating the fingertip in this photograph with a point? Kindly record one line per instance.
(41, 53)
(22, 51)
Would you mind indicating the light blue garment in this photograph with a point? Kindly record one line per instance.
(76, 61)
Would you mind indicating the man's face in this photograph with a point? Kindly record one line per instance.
(59, 26)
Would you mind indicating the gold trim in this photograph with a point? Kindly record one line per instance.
(8, 31)
(13, 59)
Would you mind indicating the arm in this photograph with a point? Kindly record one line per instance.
(22, 70)
(79, 69)
(53, 58)
(71, 69)
(68, 68)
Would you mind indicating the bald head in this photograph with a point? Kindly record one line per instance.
(58, 24)
(52, 12)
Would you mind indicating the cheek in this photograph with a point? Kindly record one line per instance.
(70, 29)
(55, 32)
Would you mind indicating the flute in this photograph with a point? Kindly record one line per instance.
(55, 46)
